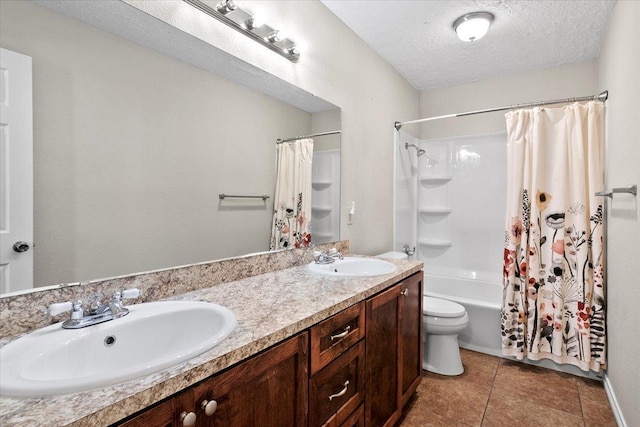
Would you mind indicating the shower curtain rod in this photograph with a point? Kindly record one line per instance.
(333, 132)
(602, 97)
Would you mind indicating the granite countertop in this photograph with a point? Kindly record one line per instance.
(269, 307)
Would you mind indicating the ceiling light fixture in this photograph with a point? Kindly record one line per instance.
(229, 13)
(473, 26)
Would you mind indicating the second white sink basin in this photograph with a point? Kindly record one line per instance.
(152, 337)
(354, 267)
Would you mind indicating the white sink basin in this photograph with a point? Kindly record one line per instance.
(152, 337)
(354, 267)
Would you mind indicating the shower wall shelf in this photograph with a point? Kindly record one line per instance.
(321, 209)
(435, 243)
(435, 179)
(320, 185)
(435, 211)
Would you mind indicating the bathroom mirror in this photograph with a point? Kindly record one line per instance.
(132, 149)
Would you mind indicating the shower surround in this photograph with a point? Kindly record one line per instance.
(449, 204)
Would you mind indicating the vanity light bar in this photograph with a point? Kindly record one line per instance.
(228, 12)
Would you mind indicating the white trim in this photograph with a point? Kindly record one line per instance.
(617, 413)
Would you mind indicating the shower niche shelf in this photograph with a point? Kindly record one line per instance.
(435, 211)
(435, 243)
(435, 179)
(321, 185)
(321, 210)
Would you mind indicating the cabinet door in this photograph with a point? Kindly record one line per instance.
(267, 390)
(411, 367)
(383, 338)
(162, 415)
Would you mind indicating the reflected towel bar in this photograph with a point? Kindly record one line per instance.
(630, 190)
(223, 196)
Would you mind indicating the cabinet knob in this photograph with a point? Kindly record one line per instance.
(341, 392)
(209, 407)
(188, 419)
(405, 292)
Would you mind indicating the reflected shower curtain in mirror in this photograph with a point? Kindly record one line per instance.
(292, 201)
(554, 292)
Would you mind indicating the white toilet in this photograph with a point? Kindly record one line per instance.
(443, 321)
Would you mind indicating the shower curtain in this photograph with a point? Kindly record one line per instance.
(554, 292)
(292, 201)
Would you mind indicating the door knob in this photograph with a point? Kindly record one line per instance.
(21, 246)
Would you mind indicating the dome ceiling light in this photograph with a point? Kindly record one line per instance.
(473, 26)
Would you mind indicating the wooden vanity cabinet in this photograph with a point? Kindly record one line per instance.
(269, 389)
(393, 338)
(367, 358)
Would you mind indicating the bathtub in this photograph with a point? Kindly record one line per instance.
(482, 300)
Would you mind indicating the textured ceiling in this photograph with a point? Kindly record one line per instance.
(417, 39)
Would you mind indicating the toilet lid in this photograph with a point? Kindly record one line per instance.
(442, 307)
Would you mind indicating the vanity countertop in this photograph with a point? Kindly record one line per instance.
(269, 307)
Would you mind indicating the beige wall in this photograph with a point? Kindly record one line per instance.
(578, 79)
(132, 148)
(619, 72)
(339, 67)
(326, 121)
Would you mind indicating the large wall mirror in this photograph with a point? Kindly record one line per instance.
(133, 147)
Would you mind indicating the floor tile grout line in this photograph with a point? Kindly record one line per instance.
(580, 401)
(493, 383)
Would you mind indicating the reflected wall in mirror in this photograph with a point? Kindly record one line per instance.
(132, 148)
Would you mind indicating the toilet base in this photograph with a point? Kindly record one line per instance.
(442, 355)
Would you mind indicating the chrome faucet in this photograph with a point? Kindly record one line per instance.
(327, 257)
(97, 311)
(407, 250)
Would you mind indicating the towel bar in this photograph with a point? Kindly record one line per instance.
(630, 190)
(223, 196)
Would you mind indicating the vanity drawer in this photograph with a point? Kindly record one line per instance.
(332, 337)
(338, 390)
(356, 419)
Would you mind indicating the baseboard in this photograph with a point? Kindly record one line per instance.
(617, 413)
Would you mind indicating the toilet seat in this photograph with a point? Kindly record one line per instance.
(438, 307)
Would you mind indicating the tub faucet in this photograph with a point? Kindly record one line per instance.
(407, 250)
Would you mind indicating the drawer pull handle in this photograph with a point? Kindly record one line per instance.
(405, 292)
(188, 419)
(341, 334)
(341, 393)
(209, 407)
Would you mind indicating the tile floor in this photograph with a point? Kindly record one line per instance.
(499, 392)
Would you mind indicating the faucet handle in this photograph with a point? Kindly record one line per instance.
(59, 307)
(130, 293)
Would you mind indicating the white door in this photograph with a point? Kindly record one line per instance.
(16, 172)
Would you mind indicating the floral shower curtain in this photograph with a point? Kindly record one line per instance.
(292, 201)
(554, 297)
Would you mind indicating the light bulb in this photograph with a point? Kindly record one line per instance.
(253, 23)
